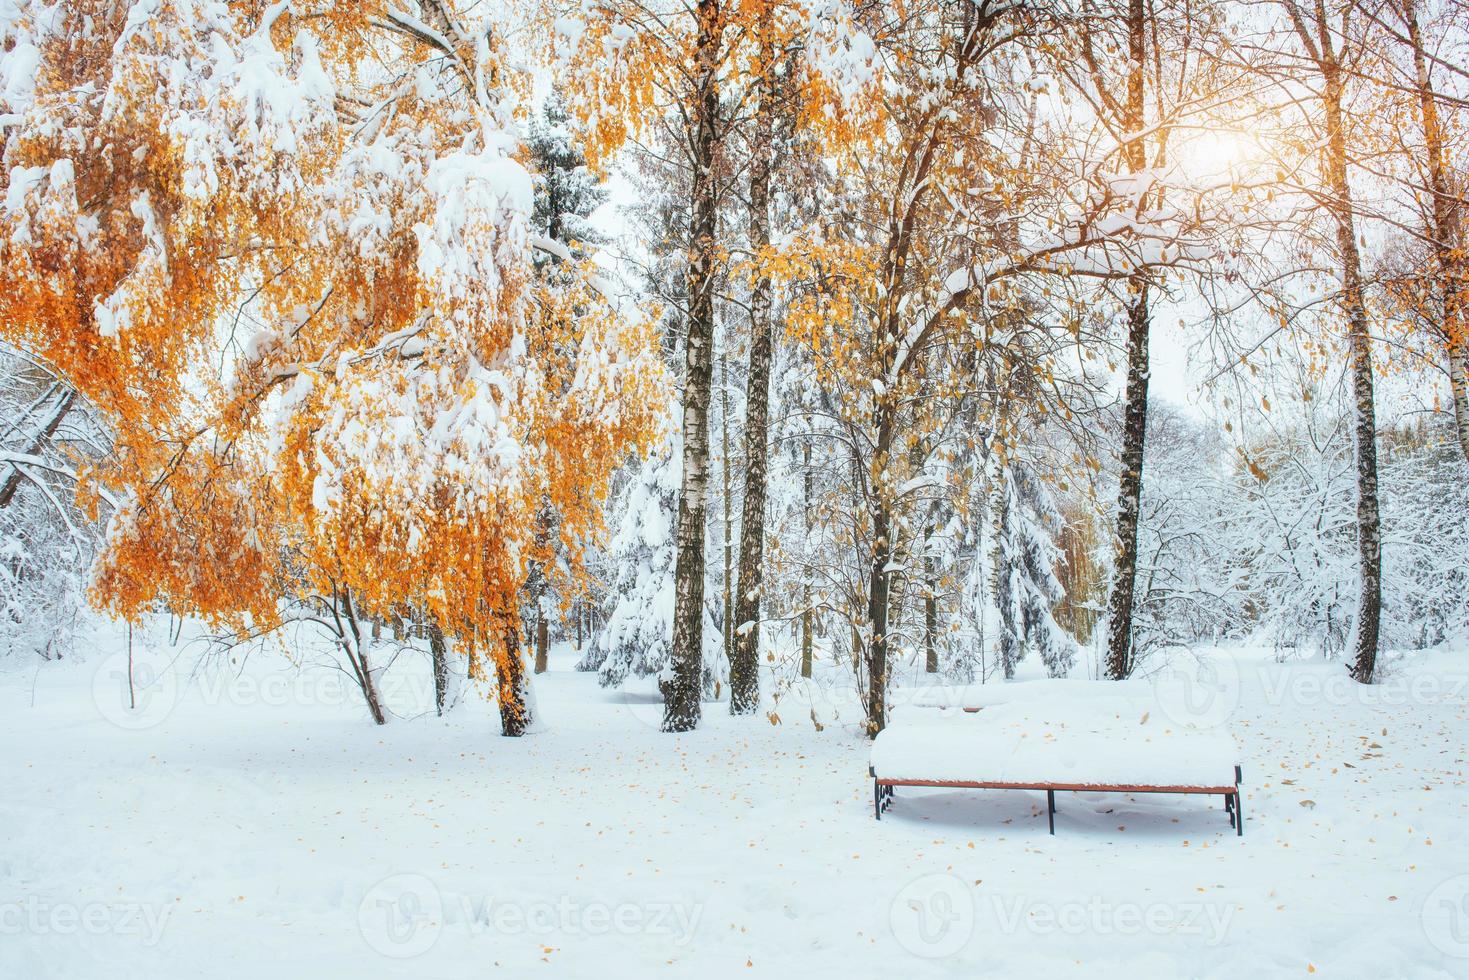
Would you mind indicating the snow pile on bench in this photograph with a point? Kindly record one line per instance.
(1070, 741)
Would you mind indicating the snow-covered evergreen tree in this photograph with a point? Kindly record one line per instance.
(639, 625)
(566, 194)
(638, 636)
(1026, 587)
(566, 190)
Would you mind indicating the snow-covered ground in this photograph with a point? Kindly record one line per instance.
(261, 826)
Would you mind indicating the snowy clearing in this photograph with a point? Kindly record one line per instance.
(262, 820)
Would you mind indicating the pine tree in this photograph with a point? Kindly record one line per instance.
(566, 194)
(638, 636)
(639, 627)
(566, 189)
(1026, 587)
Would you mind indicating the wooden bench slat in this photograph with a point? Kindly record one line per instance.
(1066, 787)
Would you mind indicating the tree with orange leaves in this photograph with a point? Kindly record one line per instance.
(957, 283)
(1441, 294)
(284, 248)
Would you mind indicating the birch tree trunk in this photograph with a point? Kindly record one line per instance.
(1316, 35)
(744, 661)
(349, 638)
(1459, 387)
(806, 617)
(728, 536)
(1121, 653)
(930, 616)
(680, 684)
(1359, 351)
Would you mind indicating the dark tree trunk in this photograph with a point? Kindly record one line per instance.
(806, 646)
(1120, 650)
(930, 601)
(538, 587)
(439, 650)
(1121, 653)
(1359, 351)
(349, 638)
(901, 232)
(1451, 266)
(43, 435)
(510, 684)
(879, 581)
(806, 616)
(543, 642)
(729, 572)
(892, 366)
(744, 662)
(369, 692)
(1318, 37)
(681, 688)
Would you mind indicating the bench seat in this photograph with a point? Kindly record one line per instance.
(1101, 745)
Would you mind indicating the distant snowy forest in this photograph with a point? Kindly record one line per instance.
(735, 342)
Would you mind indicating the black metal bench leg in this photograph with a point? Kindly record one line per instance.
(876, 800)
(1051, 807)
(1239, 814)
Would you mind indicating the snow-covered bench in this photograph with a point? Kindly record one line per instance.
(1093, 745)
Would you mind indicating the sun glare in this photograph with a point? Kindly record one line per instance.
(1217, 152)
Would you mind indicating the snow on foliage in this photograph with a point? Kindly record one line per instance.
(638, 635)
(1026, 586)
(1259, 543)
(312, 222)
